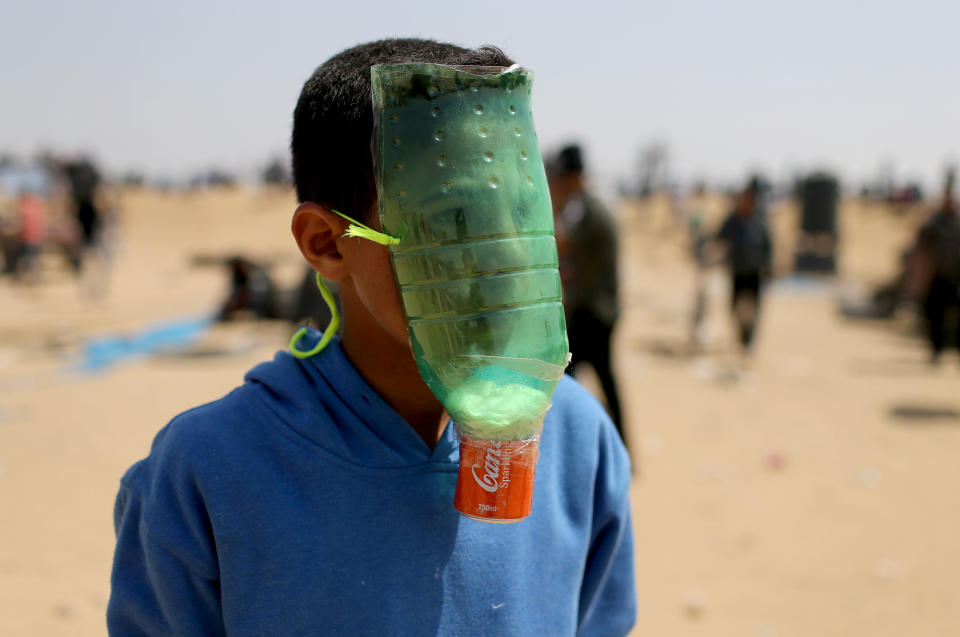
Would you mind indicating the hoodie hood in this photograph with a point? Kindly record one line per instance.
(325, 400)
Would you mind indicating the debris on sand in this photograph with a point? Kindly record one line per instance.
(871, 477)
(775, 461)
(693, 604)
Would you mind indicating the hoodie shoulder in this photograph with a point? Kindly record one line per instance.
(173, 485)
(184, 446)
(585, 432)
(578, 410)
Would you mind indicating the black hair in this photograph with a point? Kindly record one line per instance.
(569, 160)
(333, 120)
(756, 185)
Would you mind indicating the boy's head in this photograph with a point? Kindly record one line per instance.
(333, 170)
(333, 120)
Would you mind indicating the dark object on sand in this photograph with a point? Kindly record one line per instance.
(254, 294)
(251, 291)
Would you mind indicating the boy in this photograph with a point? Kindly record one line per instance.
(317, 497)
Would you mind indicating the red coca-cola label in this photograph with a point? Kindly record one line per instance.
(491, 470)
(496, 479)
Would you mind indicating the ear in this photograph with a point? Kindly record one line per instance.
(316, 230)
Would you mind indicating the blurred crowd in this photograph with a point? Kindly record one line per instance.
(742, 244)
(60, 212)
(57, 209)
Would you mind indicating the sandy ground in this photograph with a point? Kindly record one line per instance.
(813, 494)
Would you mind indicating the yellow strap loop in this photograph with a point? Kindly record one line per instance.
(327, 333)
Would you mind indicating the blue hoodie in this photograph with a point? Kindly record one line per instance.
(302, 504)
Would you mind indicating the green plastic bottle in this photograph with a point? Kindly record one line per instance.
(461, 182)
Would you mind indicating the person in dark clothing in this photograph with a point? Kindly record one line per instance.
(251, 291)
(95, 213)
(587, 245)
(84, 182)
(255, 295)
(936, 272)
(749, 255)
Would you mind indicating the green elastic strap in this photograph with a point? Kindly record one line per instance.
(361, 231)
(327, 333)
(355, 229)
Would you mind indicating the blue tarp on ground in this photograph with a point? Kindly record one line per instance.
(102, 352)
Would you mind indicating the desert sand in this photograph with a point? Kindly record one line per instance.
(810, 492)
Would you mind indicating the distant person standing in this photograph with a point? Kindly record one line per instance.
(32, 233)
(84, 184)
(9, 234)
(699, 244)
(745, 235)
(587, 243)
(935, 272)
(86, 197)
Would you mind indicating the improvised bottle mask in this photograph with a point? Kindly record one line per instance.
(461, 183)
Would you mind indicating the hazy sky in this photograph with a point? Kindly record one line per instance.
(170, 87)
